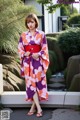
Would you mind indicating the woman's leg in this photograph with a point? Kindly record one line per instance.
(33, 107)
(36, 100)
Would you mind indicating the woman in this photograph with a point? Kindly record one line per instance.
(33, 52)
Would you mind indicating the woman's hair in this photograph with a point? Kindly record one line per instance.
(29, 18)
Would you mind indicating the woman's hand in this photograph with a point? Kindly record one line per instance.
(27, 54)
(35, 55)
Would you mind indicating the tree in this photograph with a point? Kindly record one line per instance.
(72, 20)
(12, 14)
(66, 10)
(51, 7)
(65, 1)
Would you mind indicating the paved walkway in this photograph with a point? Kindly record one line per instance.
(48, 114)
(65, 114)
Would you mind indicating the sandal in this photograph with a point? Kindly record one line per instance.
(39, 114)
(30, 113)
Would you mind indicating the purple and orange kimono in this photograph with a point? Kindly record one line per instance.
(34, 70)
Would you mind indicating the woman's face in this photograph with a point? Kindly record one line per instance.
(31, 24)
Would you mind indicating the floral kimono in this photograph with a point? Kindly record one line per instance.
(34, 70)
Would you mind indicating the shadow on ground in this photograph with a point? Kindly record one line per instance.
(21, 114)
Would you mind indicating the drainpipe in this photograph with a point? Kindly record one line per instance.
(43, 25)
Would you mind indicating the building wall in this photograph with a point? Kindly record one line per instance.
(34, 4)
(55, 20)
(51, 20)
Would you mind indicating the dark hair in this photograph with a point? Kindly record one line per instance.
(28, 19)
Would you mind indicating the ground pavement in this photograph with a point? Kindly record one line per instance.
(48, 114)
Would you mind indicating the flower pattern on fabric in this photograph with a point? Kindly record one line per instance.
(34, 70)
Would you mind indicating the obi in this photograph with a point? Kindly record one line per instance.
(32, 48)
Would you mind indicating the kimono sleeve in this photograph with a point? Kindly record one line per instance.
(44, 53)
(21, 52)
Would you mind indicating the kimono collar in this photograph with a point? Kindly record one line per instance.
(35, 31)
(28, 32)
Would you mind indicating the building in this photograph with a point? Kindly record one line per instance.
(48, 21)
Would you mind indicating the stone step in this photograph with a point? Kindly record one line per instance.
(54, 90)
(56, 86)
(55, 80)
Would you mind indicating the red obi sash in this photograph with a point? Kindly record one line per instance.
(32, 48)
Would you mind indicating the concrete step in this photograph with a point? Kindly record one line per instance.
(56, 99)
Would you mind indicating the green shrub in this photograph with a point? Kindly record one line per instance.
(66, 10)
(52, 34)
(54, 46)
(69, 42)
(74, 19)
(53, 62)
(48, 74)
